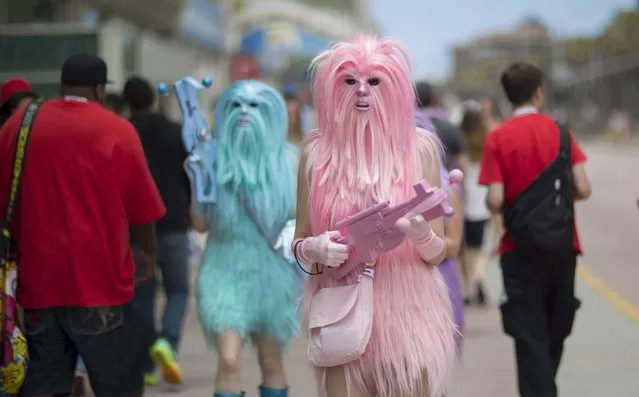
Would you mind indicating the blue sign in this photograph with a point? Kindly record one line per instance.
(201, 22)
(282, 39)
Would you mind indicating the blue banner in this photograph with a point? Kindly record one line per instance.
(202, 23)
(283, 39)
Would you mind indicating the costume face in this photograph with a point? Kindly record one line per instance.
(363, 87)
(364, 81)
(244, 106)
(251, 113)
(250, 124)
(250, 130)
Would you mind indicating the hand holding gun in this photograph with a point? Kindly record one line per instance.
(382, 227)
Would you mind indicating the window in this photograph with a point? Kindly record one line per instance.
(130, 49)
(24, 53)
(47, 90)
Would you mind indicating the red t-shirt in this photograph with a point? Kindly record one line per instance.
(514, 155)
(85, 182)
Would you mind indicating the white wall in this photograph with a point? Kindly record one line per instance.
(160, 60)
(163, 61)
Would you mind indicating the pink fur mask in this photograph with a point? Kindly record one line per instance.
(364, 150)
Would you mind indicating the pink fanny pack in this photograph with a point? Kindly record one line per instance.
(341, 321)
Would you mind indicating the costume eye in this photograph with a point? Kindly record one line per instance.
(373, 81)
(253, 104)
(236, 104)
(350, 81)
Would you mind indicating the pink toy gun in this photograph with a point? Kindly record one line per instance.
(374, 230)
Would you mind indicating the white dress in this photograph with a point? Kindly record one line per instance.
(475, 209)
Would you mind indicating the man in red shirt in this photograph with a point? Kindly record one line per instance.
(538, 306)
(85, 185)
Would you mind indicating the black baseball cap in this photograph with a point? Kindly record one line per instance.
(84, 70)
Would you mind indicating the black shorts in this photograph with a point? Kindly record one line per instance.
(474, 233)
(105, 338)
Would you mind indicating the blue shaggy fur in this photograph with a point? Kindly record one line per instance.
(243, 285)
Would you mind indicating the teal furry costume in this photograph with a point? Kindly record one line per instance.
(243, 285)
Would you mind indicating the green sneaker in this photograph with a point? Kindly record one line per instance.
(151, 379)
(165, 358)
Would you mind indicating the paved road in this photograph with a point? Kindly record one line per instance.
(602, 356)
(609, 221)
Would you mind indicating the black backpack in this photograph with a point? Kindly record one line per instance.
(541, 218)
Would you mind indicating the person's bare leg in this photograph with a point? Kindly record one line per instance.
(270, 358)
(229, 347)
(479, 266)
(336, 384)
(467, 271)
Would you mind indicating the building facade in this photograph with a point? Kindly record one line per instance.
(161, 42)
(284, 35)
(478, 64)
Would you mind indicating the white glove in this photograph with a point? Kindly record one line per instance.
(323, 249)
(424, 238)
(415, 228)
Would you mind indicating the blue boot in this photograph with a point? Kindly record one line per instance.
(228, 394)
(268, 392)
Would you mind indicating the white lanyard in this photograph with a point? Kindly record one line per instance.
(73, 98)
(525, 110)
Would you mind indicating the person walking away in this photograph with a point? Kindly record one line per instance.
(533, 179)
(296, 134)
(449, 135)
(494, 118)
(165, 153)
(307, 110)
(85, 185)
(474, 129)
(14, 94)
(113, 102)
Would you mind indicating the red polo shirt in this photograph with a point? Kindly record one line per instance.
(85, 182)
(516, 152)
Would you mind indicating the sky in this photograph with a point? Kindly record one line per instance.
(430, 29)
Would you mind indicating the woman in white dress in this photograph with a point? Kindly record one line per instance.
(474, 128)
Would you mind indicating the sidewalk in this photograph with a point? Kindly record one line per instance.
(602, 356)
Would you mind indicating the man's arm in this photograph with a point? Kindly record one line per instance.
(495, 198)
(583, 190)
(145, 236)
(582, 187)
(139, 194)
(491, 175)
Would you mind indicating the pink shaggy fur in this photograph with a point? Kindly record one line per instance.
(356, 159)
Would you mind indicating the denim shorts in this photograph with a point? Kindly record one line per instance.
(105, 338)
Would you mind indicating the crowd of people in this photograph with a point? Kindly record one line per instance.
(105, 209)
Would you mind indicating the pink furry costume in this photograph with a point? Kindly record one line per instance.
(365, 151)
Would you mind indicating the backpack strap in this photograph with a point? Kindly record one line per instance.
(565, 143)
(22, 142)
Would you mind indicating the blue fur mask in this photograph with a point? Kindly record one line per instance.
(253, 156)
